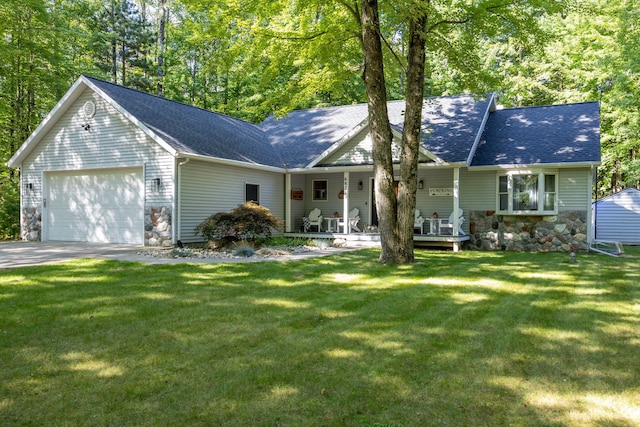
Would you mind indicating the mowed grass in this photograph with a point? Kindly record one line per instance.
(464, 339)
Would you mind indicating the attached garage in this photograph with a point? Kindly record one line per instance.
(100, 206)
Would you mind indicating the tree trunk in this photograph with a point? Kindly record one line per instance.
(414, 98)
(161, 45)
(380, 131)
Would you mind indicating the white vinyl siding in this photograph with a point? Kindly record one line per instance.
(617, 217)
(574, 189)
(477, 190)
(357, 151)
(297, 206)
(112, 141)
(208, 188)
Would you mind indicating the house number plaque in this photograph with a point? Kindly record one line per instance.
(440, 191)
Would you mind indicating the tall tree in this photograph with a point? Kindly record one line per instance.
(455, 32)
(122, 43)
(30, 39)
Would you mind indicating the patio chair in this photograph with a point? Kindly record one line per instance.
(418, 221)
(447, 224)
(314, 219)
(354, 218)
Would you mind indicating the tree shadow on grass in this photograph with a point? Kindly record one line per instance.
(455, 339)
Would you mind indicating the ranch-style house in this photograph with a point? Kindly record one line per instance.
(112, 164)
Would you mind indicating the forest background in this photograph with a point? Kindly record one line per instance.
(253, 58)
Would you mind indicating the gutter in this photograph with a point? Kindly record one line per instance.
(535, 166)
(230, 162)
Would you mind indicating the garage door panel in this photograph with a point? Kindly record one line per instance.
(104, 206)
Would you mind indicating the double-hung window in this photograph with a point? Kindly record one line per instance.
(532, 193)
(320, 189)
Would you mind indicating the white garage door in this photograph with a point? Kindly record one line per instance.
(95, 206)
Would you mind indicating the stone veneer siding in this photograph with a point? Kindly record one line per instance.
(31, 224)
(564, 232)
(157, 226)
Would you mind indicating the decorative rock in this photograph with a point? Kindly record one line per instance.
(560, 228)
(563, 232)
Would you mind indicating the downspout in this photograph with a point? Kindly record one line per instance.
(177, 205)
(594, 211)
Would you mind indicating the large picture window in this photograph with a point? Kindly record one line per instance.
(527, 193)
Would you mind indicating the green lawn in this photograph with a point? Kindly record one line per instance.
(464, 339)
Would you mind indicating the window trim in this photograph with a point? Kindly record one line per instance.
(541, 192)
(313, 190)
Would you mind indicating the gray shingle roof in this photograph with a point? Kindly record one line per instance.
(450, 126)
(521, 136)
(541, 135)
(191, 130)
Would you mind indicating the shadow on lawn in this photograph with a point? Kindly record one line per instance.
(456, 339)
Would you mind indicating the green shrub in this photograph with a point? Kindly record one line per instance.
(246, 222)
(282, 241)
(244, 249)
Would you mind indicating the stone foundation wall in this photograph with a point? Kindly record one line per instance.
(565, 232)
(31, 227)
(157, 226)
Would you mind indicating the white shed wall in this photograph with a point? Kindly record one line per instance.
(617, 217)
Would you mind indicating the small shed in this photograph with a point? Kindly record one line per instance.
(617, 217)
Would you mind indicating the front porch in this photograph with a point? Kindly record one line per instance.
(373, 239)
(340, 204)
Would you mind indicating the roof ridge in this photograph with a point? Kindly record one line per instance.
(529, 107)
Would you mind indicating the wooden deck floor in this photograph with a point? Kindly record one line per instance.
(373, 239)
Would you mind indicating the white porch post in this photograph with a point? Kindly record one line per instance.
(456, 206)
(345, 205)
(287, 203)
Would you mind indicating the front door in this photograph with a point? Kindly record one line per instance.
(374, 208)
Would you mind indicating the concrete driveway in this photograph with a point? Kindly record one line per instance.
(23, 254)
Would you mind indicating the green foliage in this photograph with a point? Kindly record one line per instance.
(9, 207)
(247, 221)
(282, 241)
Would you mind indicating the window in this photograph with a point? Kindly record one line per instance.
(320, 188)
(252, 193)
(527, 193)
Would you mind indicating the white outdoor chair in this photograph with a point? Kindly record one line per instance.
(418, 221)
(314, 219)
(354, 218)
(448, 224)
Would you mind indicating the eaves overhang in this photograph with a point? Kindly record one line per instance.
(567, 165)
(228, 162)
